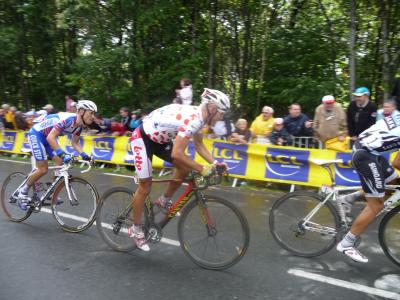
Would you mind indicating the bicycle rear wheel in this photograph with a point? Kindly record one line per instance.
(389, 235)
(214, 234)
(114, 217)
(78, 214)
(9, 203)
(306, 239)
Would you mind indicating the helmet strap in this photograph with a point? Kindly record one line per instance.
(83, 119)
(210, 115)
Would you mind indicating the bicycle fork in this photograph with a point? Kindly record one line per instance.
(205, 216)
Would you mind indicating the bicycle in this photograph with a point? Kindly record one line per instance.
(73, 200)
(308, 224)
(212, 231)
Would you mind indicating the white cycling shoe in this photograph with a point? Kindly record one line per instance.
(352, 252)
(138, 238)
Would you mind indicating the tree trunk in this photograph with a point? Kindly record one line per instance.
(213, 36)
(385, 51)
(244, 72)
(352, 46)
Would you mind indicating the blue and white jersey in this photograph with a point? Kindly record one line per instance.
(383, 136)
(63, 122)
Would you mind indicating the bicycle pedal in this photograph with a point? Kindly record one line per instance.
(46, 204)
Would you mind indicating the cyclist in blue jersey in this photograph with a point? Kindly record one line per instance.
(374, 172)
(43, 141)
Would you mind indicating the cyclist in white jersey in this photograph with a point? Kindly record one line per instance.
(374, 172)
(43, 141)
(166, 133)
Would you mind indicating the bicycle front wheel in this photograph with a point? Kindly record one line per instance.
(9, 202)
(213, 233)
(114, 217)
(77, 213)
(295, 230)
(389, 235)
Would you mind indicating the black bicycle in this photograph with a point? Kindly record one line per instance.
(212, 231)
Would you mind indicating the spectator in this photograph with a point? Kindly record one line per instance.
(297, 123)
(9, 117)
(361, 113)
(330, 120)
(20, 121)
(279, 135)
(49, 108)
(389, 106)
(2, 119)
(223, 128)
(125, 118)
(242, 134)
(396, 92)
(117, 128)
(263, 125)
(185, 94)
(100, 125)
(69, 104)
(136, 119)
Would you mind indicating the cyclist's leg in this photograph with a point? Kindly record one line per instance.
(372, 177)
(164, 152)
(179, 175)
(38, 145)
(142, 153)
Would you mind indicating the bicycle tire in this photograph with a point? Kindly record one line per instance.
(222, 212)
(389, 230)
(113, 232)
(75, 216)
(10, 207)
(290, 235)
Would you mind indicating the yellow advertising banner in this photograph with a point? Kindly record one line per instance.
(254, 161)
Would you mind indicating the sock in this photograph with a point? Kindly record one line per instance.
(24, 190)
(164, 200)
(349, 240)
(137, 227)
(353, 197)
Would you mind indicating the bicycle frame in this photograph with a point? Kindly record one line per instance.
(61, 173)
(332, 195)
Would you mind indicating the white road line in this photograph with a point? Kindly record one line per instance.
(16, 161)
(106, 225)
(345, 284)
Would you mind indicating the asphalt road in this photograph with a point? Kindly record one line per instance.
(40, 261)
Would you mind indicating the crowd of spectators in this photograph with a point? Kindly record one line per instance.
(331, 127)
(122, 124)
(331, 123)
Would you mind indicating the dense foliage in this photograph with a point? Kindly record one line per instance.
(133, 53)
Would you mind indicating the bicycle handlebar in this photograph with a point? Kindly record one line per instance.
(67, 166)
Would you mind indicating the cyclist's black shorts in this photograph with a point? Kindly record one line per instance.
(374, 172)
(143, 150)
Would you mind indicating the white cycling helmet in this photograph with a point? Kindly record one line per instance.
(86, 104)
(218, 98)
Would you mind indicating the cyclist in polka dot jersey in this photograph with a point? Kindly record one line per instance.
(166, 133)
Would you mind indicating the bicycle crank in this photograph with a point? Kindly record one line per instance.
(154, 234)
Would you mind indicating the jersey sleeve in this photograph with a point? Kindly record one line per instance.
(64, 124)
(189, 128)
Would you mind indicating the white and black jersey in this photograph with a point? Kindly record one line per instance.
(372, 167)
(383, 136)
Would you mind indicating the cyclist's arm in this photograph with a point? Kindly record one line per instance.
(179, 157)
(201, 148)
(52, 138)
(75, 143)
